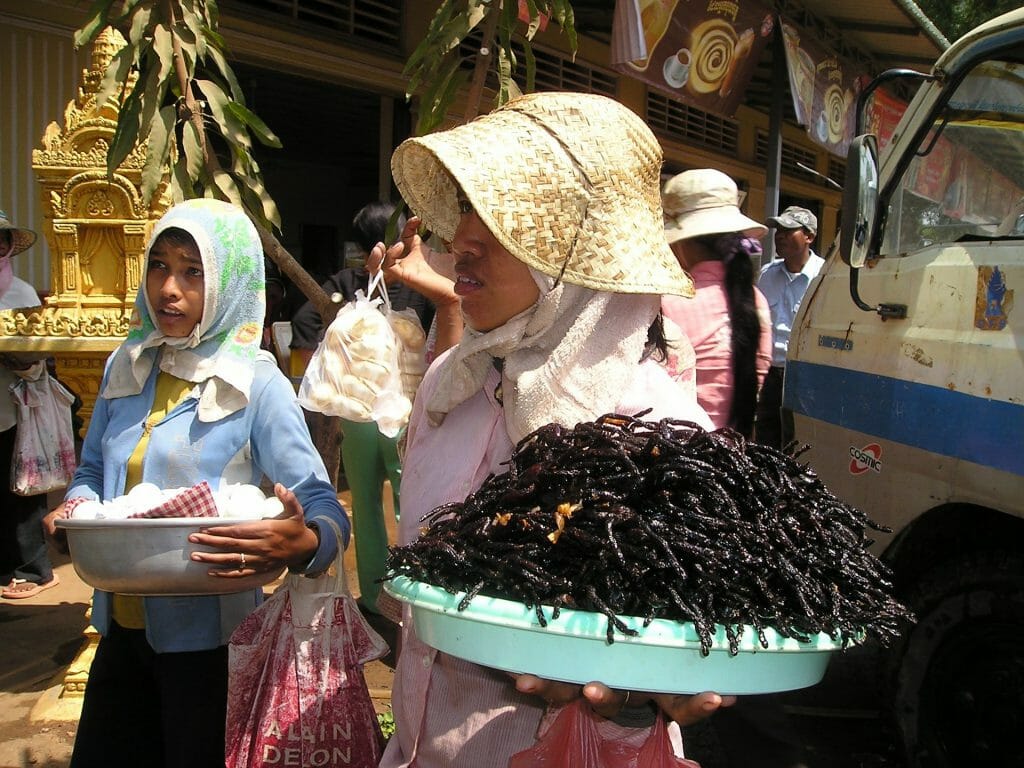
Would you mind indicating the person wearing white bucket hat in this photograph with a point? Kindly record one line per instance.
(552, 208)
(729, 324)
(25, 568)
(728, 321)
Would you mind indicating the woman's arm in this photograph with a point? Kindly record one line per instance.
(299, 537)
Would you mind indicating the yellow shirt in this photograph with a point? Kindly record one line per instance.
(127, 610)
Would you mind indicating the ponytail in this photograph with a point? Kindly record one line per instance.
(737, 252)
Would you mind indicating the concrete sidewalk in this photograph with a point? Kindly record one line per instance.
(42, 635)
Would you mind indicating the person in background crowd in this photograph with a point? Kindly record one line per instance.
(729, 324)
(727, 321)
(25, 568)
(277, 306)
(368, 457)
(783, 283)
(189, 397)
(551, 206)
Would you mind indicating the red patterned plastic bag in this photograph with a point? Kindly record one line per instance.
(44, 444)
(575, 740)
(296, 691)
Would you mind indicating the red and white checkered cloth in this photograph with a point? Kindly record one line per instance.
(196, 501)
(70, 504)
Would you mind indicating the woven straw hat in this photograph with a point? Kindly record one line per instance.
(704, 202)
(568, 183)
(21, 239)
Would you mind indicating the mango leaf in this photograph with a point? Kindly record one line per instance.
(441, 17)
(228, 74)
(115, 76)
(261, 130)
(195, 26)
(95, 24)
(212, 13)
(230, 126)
(505, 66)
(213, 38)
(153, 94)
(434, 115)
(127, 9)
(226, 185)
(181, 186)
(163, 47)
(140, 24)
(534, 25)
(158, 148)
(193, 149)
(127, 132)
(531, 66)
(561, 11)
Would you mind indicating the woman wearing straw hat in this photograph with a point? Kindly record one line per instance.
(728, 320)
(25, 568)
(561, 262)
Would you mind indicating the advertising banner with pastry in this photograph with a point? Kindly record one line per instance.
(702, 52)
(824, 90)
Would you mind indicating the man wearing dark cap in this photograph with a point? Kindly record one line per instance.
(783, 283)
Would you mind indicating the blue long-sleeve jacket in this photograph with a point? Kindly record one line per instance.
(268, 437)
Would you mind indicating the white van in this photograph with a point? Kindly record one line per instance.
(906, 377)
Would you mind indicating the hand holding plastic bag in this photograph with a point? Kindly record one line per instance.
(574, 739)
(355, 372)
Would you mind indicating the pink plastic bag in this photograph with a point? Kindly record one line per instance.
(296, 691)
(574, 740)
(44, 445)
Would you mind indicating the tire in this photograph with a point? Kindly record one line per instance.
(959, 686)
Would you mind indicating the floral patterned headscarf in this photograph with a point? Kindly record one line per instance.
(220, 353)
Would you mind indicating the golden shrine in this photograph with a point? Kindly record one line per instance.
(96, 227)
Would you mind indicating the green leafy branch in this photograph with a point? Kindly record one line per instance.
(436, 68)
(177, 95)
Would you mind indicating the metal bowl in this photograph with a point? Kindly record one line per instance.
(150, 557)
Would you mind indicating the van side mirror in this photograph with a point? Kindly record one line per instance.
(860, 201)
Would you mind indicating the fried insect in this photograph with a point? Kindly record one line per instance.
(627, 517)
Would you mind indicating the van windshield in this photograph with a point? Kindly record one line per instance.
(966, 180)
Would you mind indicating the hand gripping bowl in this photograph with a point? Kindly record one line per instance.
(150, 556)
(664, 658)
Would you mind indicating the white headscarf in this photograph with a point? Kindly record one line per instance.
(220, 353)
(567, 359)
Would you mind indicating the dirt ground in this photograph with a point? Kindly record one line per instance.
(41, 638)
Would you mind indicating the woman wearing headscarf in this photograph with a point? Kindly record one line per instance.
(727, 321)
(189, 397)
(551, 206)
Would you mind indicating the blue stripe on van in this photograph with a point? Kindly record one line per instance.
(977, 429)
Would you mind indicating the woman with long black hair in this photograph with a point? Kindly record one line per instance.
(727, 321)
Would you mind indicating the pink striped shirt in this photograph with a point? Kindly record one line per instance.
(449, 712)
(705, 320)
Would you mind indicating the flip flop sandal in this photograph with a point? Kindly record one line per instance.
(19, 589)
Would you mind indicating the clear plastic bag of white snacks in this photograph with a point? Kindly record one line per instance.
(412, 353)
(354, 372)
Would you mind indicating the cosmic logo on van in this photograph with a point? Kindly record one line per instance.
(867, 458)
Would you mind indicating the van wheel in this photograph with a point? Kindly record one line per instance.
(959, 685)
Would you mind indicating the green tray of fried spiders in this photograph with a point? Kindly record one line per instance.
(664, 657)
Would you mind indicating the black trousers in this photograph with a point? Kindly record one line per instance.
(22, 544)
(772, 426)
(159, 710)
